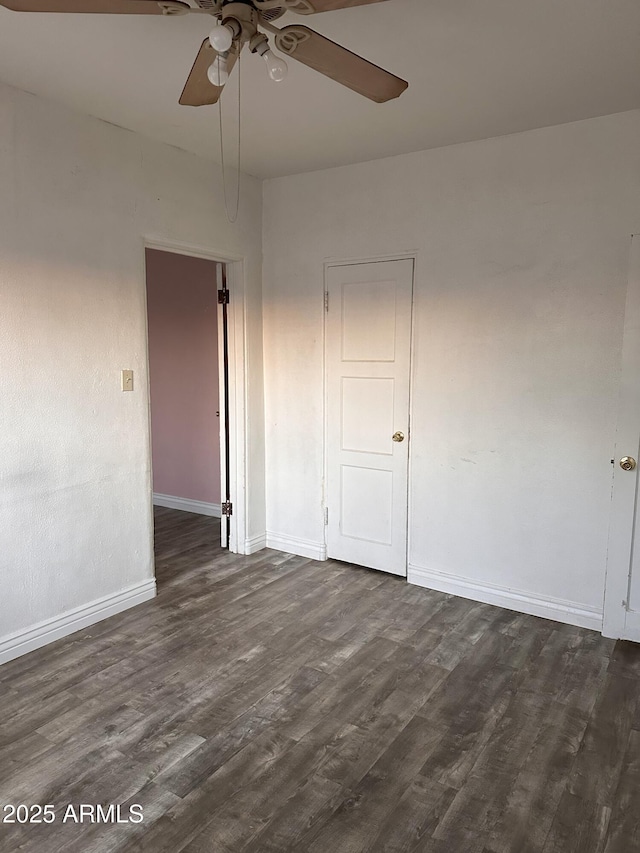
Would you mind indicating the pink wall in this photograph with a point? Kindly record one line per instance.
(183, 364)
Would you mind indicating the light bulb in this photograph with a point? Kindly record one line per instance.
(221, 38)
(218, 73)
(276, 67)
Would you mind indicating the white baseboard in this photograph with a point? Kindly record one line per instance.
(187, 505)
(255, 544)
(300, 547)
(22, 642)
(557, 609)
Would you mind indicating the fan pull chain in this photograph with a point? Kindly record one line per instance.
(232, 219)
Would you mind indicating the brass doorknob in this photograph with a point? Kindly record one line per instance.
(398, 436)
(627, 463)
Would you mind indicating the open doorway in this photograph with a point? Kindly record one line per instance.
(189, 404)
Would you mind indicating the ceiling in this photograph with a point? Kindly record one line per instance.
(477, 69)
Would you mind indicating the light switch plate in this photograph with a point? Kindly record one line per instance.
(127, 380)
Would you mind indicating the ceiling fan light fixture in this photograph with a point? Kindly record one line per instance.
(277, 68)
(221, 38)
(218, 72)
(174, 7)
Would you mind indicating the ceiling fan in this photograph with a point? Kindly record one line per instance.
(240, 22)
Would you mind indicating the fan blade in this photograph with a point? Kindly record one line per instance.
(198, 90)
(96, 7)
(311, 7)
(340, 64)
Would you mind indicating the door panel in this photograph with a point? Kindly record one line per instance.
(362, 394)
(622, 588)
(368, 334)
(367, 504)
(368, 362)
(634, 585)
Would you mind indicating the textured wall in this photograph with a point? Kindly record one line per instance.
(182, 307)
(78, 197)
(520, 286)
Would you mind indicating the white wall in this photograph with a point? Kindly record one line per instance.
(77, 198)
(522, 249)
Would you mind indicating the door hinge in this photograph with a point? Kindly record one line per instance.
(223, 297)
(326, 515)
(227, 508)
(326, 300)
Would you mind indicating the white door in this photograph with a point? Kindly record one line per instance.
(368, 361)
(622, 591)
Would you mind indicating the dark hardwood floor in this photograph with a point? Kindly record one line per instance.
(271, 703)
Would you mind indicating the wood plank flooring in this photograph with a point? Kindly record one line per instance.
(270, 703)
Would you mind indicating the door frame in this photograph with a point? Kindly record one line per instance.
(236, 309)
(329, 263)
(624, 495)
